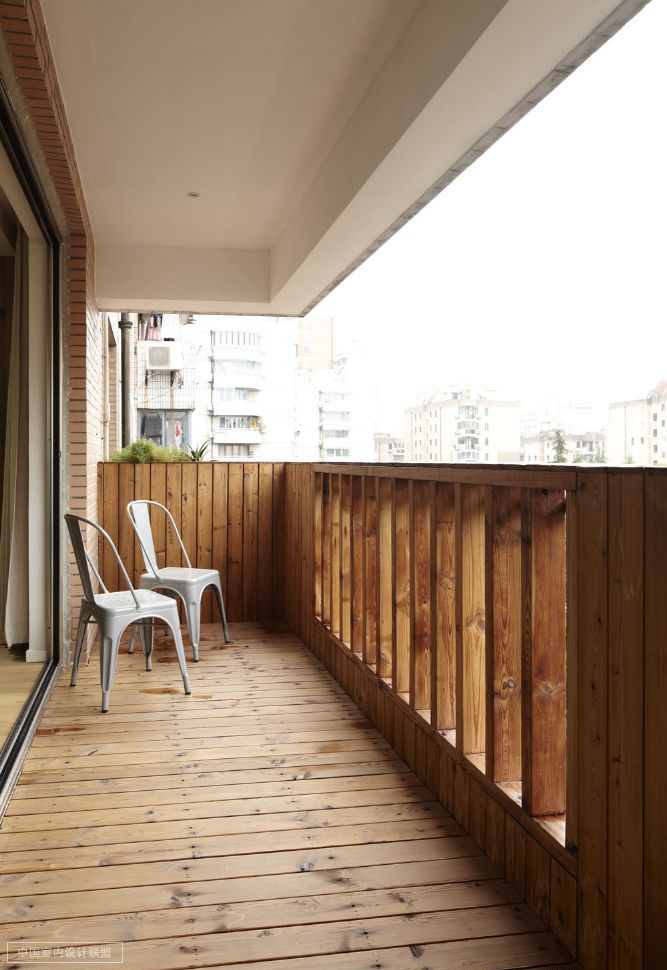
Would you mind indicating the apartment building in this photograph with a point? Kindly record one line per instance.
(638, 429)
(315, 345)
(253, 366)
(586, 446)
(388, 447)
(462, 424)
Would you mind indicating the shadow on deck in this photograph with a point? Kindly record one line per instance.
(261, 819)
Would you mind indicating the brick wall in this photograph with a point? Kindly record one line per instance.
(24, 33)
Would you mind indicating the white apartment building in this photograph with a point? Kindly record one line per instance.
(461, 424)
(638, 429)
(389, 448)
(334, 418)
(253, 362)
(255, 388)
(585, 446)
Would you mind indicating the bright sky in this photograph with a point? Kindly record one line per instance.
(541, 270)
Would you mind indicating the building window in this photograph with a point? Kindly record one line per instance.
(234, 451)
(232, 393)
(235, 338)
(237, 422)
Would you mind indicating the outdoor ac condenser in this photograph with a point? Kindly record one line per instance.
(164, 356)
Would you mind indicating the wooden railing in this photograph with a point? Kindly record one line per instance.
(481, 660)
(505, 629)
(229, 515)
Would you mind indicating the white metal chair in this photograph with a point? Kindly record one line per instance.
(185, 581)
(115, 612)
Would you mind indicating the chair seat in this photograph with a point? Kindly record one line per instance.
(180, 575)
(123, 600)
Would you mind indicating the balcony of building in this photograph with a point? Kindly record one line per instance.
(437, 739)
(240, 436)
(422, 738)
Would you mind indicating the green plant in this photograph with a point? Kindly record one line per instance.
(144, 450)
(197, 453)
(560, 447)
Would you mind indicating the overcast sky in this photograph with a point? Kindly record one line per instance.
(541, 270)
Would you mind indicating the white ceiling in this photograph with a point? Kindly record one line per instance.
(239, 100)
(311, 129)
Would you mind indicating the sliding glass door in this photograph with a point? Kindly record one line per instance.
(29, 434)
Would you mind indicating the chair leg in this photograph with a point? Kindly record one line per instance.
(80, 637)
(108, 656)
(221, 607)
(133, 638)
(180, 652)
(146, 630)
(192, 615)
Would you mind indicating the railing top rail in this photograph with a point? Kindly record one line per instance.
(515, 476)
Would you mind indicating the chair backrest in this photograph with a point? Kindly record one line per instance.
(84, 562)
(139, 514)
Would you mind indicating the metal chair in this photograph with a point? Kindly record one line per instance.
(184, 581)
(115, 612)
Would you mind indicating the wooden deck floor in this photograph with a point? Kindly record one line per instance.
(261, 822)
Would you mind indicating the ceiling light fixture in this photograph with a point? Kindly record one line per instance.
(193, 195)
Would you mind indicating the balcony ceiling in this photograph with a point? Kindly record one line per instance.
(308, 127)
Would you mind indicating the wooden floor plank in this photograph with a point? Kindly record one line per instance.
(297, 911)
(262, 822)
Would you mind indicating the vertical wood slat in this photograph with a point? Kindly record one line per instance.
(317, 546)
(219, 527)
(265, 542)
(173, 553)
(572, 644)
(655, 720)
(305, 533)
(626, 725)
(458, 614)
(335, 555)
(250, 504)
(358, 563)
(205, 530)
(403, 531)
(473, 510)
(142, 489)
(592, 717)
(423, 596)
(346, 559)
(109, 570)
(125, 530)
(278, 540)
(189, 510)
(443, 700)
(235, 541)
(489, 638)
(385, 576)
(370, 647)
(544, 676)
(326, 549)
(158, 473)
(507, 628)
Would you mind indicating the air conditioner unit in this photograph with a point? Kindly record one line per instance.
(164, 356)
